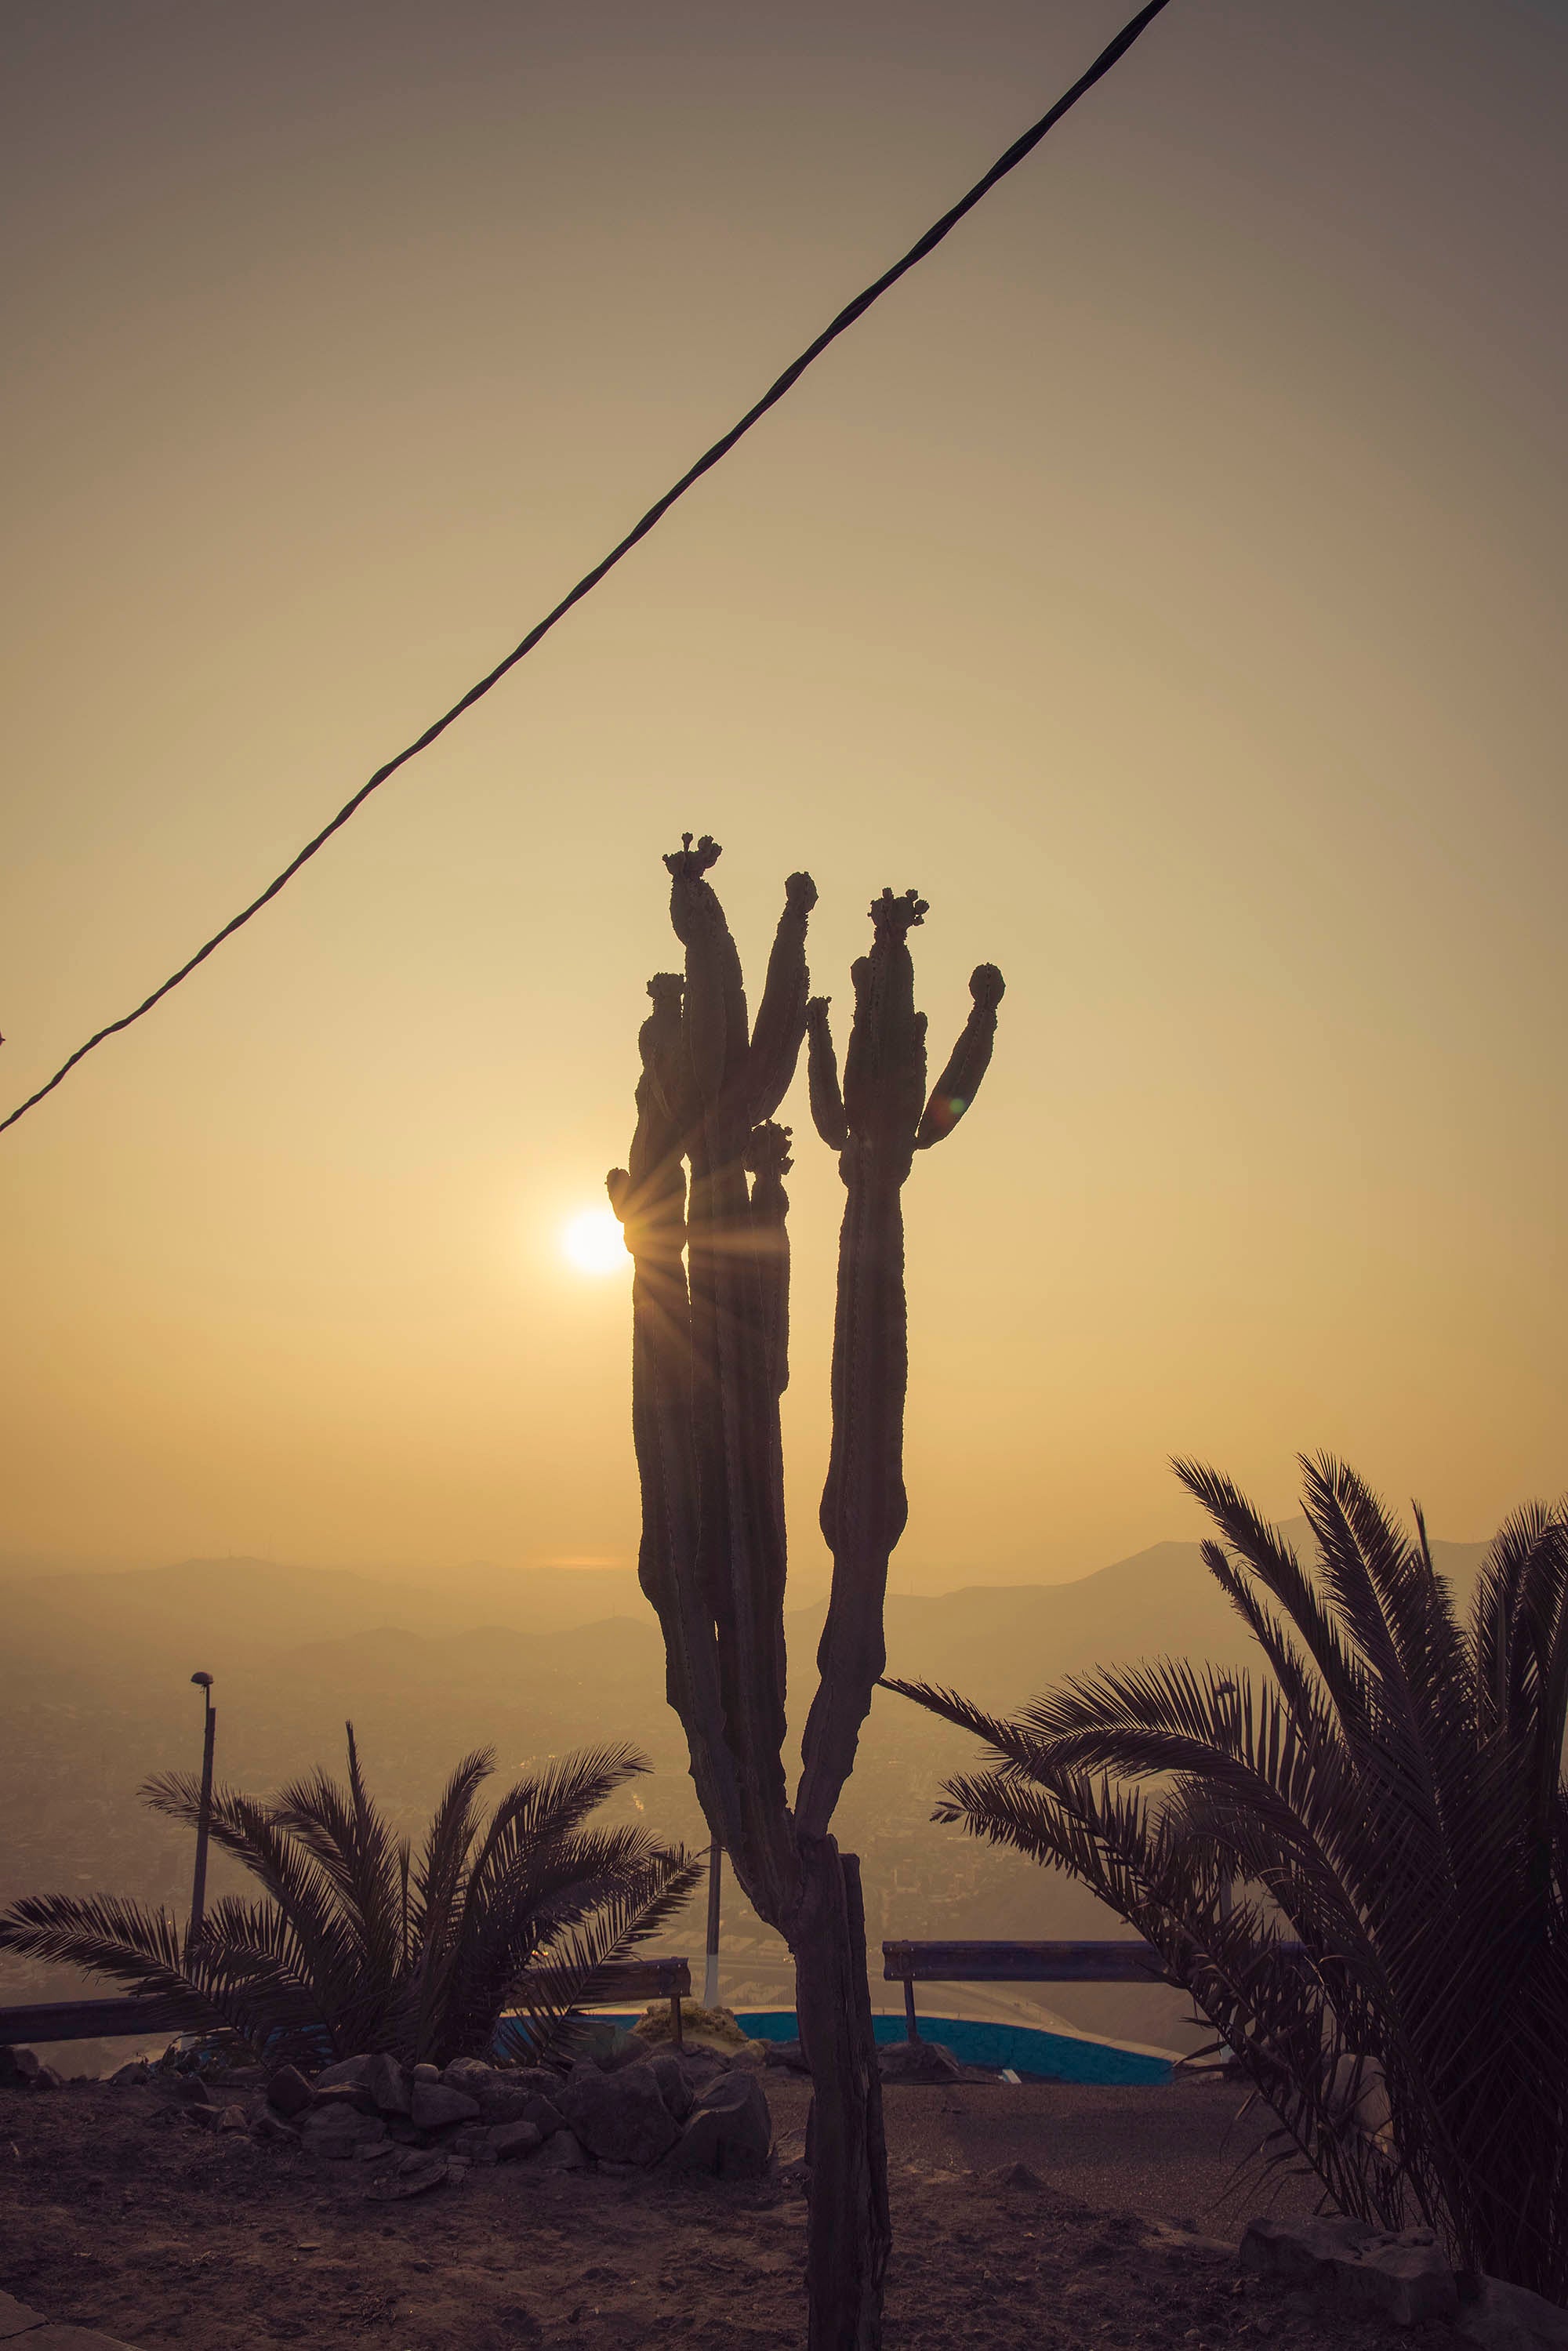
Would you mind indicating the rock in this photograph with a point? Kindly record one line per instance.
(701, 2065)
(563, 2153)
(472, 2142)
(789, 2054)
(46, 2078)
(288, 2092)
(471, 2076)
(537, 2081)
(338, 2131)
(509, 2141)
(729, 2130)
(273, 2131)
(1501, 2318)
(232, 2118)
(387, 2084)
(426, 2073)
(347, 2071)
(544, 2115)
(916, 2060)
(432, 2104)
(1352, 2267)
(626, 2049)
(622, 2116)
(502, 2098)
(200, 2118)
(138, 2071)
(193, 2091)
(673, 2088)
(1014, 2175)
(353, 2095)
(19, 2068)
(412, 2175)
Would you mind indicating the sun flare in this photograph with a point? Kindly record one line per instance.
(590, 1242)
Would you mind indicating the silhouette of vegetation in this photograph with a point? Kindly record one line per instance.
(1357, 1864)
(359, 1943)
(709, 1365)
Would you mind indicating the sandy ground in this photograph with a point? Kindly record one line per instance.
(117, 2215)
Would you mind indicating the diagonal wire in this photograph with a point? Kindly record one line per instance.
(775, 390)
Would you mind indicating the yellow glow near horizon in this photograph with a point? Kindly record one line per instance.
(590, 1242)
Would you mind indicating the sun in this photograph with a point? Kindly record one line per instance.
(590, 1242)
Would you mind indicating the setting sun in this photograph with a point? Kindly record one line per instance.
(590, 1241)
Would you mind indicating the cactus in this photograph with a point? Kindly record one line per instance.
(710, 1361)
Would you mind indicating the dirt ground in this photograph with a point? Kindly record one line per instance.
(116, 2214)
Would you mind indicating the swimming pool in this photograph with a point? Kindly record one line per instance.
(1058, 2056)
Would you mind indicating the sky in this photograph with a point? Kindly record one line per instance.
(1166, 579)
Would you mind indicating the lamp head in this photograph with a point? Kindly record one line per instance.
(202, 1681)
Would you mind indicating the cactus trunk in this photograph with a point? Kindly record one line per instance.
(710, 1361)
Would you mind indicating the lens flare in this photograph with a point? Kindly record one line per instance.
(590, 1242)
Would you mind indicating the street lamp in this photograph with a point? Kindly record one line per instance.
(204, 1682)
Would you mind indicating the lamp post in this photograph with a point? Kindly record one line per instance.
(204, 1682)
(710, 1972)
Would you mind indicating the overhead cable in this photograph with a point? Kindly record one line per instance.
(775, 390)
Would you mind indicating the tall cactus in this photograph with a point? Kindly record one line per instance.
(710, 1344)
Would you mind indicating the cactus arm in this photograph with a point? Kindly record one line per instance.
(822, 1076)
(782, 1015)
(739, 1558)
(960, 1081)
(715, 1037)
(649, 1197)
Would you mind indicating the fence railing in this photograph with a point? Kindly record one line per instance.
(634, 1981)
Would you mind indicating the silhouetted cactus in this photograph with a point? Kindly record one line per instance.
(710, 1361)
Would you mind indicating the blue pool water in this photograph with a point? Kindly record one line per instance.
(1054, 2056)
(1059, 2056)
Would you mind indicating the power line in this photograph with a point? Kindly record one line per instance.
(775, 390)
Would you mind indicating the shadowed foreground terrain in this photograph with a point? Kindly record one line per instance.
(116, 2219)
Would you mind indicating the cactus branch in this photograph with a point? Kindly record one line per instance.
(966, 1064)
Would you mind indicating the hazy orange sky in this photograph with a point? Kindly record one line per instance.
(1166, 579)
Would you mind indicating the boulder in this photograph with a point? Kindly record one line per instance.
(348, 2071)
(1351, 2266)
(232, 2118)
(621, 2117)
(426, 2073)
(272, 2130)
(501, 2097)
(508, 2141)
(916, 2060)
(353, 2095)
(338, 2131)
(730, 2129)
(193, 2090)
(564, 2152)
(433, 2104)
(789, 2054)
(411, 2175)
(389, 2084)
(471, 2076)
(288, 2092)
(673, 2088)
(138, 2071)
(544, 2115)
(48, 2077)
(537, 2081)
(1500, 2317)
(472, 2142)
(19, 2068)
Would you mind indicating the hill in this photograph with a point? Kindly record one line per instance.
(95, 1696)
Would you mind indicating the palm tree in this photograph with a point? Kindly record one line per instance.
(359, 1945)
(1388, 1803)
